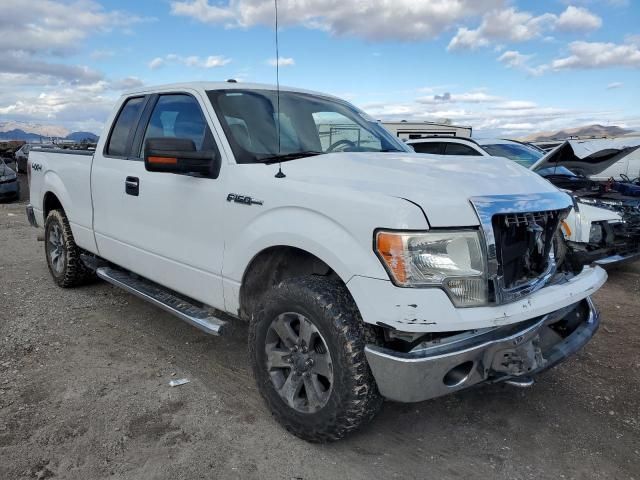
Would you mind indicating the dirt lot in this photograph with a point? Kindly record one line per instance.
(84, 394)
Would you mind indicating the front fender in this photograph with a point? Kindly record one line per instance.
(307, 230)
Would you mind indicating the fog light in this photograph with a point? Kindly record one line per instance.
(467, 292)
(595, 234)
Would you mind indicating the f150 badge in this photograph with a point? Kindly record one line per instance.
(234, 197)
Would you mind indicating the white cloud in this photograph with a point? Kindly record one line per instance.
(156, 63)
(53, 26)
(598, 55)
(22, 63)
(614, 85)
(212, 61)
(282, 62)
(466, 97)
(497, 115)
(72, 107)
(578, 19)
(516, 60)
(102, 54)
(511, 25)
(374, 20)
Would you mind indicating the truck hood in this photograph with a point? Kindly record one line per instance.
(588, 157)
(441, 188)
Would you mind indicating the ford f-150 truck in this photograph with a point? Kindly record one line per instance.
(366, 271)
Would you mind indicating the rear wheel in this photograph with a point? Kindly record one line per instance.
(307, 353)
(63, 255)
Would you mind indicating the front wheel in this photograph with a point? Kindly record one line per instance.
(307, 353)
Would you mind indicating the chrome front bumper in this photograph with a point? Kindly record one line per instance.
(483, 356)
(617, 259)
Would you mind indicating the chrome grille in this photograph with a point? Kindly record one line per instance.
(527, 219)
(522, 213)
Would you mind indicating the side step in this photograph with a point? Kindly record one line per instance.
(163, 298)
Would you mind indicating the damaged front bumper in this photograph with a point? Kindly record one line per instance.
(489, 355)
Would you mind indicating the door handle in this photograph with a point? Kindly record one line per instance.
(132, 186)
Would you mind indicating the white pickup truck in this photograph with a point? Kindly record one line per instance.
(365, 271)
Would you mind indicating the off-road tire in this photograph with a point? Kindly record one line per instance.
(74, 273)
(354, 399)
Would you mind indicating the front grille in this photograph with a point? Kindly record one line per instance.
(524, 246)
(519, 232)
(531, 218)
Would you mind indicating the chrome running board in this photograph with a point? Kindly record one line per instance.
(164, 298)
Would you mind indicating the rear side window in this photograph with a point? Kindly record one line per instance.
(123, 127)
(459, 149)
(436, 148)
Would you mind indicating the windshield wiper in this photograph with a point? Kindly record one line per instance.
(285, 157)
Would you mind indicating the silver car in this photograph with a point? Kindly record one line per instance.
(9, 185)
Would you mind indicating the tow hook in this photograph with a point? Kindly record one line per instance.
(521, 382)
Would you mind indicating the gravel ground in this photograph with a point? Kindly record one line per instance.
(84, 394)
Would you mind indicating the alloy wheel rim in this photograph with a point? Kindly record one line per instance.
(57, 252)
(298, 362)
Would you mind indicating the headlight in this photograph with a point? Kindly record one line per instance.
(600, 202)
(3, 178)
(452, 260)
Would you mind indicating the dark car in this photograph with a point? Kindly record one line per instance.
(9, 185)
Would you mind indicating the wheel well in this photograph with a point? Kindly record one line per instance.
(273, 265)
(49, 203)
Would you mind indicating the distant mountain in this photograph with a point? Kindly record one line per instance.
(35, 128)
(82, 136)
(17, 134)
(597, 131)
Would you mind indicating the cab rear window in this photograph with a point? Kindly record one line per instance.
(123, 127)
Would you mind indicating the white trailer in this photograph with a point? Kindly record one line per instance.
(414, 130)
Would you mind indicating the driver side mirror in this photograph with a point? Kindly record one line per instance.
(179, 155)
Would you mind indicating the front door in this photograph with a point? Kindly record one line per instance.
(164, 226)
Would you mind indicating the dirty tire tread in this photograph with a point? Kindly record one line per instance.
(75, 272)
(358, 397)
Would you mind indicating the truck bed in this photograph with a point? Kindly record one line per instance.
(48, 169)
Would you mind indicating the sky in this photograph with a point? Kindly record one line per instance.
(505, 67)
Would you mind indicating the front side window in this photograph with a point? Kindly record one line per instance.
(305, 124)
(522, 154)
(126, 121)
(179, 116)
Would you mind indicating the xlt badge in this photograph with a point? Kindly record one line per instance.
(234, 197)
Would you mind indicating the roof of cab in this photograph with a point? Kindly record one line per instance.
(219, 86)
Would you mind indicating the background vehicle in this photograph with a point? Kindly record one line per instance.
(9, 186)
(604, 226)
(411, 130)
(22, 155)
(365, 271)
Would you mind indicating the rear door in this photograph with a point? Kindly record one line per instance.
(164, 226)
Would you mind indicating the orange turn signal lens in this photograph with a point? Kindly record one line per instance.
(163, 160)
(390, 247)
(566, 228)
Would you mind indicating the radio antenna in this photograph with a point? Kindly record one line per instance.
(279, 174)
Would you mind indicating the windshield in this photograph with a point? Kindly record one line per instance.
(522, 154)
(556, 170)
(308, 124)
